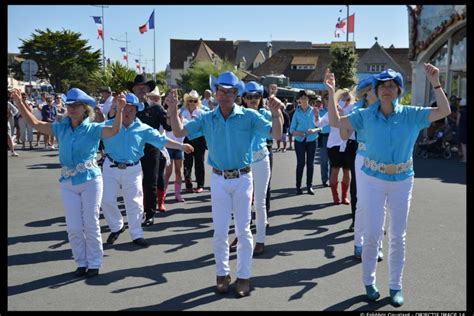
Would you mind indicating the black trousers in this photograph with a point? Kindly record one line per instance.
(151, 168)
(351, 151)
(268, 198)
(197, 157)
(305, 156)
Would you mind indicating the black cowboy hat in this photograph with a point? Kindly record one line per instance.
(141, 79)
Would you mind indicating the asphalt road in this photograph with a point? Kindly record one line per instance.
(308, 263)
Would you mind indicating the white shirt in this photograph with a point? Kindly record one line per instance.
(107, 105)
(334, 138)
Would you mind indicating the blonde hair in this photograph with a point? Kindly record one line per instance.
(340, 92)
(185, 103)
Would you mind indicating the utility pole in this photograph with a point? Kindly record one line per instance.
(103, 36)
(126, 44)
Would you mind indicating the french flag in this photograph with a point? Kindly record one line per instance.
(148, 25)
(125, 56)
(138, 65)
(98, 23)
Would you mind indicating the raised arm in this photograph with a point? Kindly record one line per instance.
(175, 122)
(110, 131)
(42, 127)
(335, 120)
(443, 109)
(275, 106)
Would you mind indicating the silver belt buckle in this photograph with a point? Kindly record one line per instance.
(231, 174)
(122, 165)
(390, 169)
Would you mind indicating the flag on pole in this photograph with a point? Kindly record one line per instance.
(350, 23)
(345, 26)
(148, 25)
(125, 56)
(100, 29)
(138, 65)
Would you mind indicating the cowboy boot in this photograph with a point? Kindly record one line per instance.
(335, 196)
(344, 188)
(161, 200)
(177, 191)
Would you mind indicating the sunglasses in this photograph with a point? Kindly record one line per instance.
(252, 96)
(193, 101)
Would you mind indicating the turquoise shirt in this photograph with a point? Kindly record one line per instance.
(390, 140)
(78, 146)
(229, 141)
(301, 122)
(327, 128)
(128, 144)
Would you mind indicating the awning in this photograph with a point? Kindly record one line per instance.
(308, 85)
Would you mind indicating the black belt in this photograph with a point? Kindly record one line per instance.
(231, 174)
(121, 165)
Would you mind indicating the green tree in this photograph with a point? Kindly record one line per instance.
(344, 65)
(406, 99)
(61, 55)
(115, 76)
(197, 76)
(161, 82)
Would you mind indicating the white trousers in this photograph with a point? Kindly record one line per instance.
(232, 196)
(359, 219)
(261, 177)
(81, 209)
(26, 130)
(131, 181)
(397, 195)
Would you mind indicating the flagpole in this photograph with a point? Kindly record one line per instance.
(103, 40)
(126, 47)
(154, 48)
(347, 24)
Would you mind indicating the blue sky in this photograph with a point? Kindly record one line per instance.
(256, 23)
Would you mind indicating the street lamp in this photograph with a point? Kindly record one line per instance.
(126, 44)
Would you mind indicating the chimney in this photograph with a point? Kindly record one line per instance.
(222, 39)
(269, 46)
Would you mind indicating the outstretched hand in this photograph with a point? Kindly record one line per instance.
(432, 73)
(121, 102)
(16, 95)
(172, 100)
(329, 80)
(275, 105)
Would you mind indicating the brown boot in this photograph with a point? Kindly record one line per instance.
(223, 284)
(233, 245)
(259, 249)
(335, 196)
(242, 287)
(344, 188)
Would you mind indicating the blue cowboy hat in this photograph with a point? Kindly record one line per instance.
(132, 99)
(386, 75)
(253, 87)
(77, 95)
(227, 80)
(364, 83)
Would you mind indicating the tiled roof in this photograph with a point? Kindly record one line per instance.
(181, 49)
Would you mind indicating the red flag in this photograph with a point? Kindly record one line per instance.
(350, 23)
(143, 28)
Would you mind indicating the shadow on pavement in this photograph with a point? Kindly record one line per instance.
(448, 171)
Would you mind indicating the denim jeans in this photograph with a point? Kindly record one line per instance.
(305, 155)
